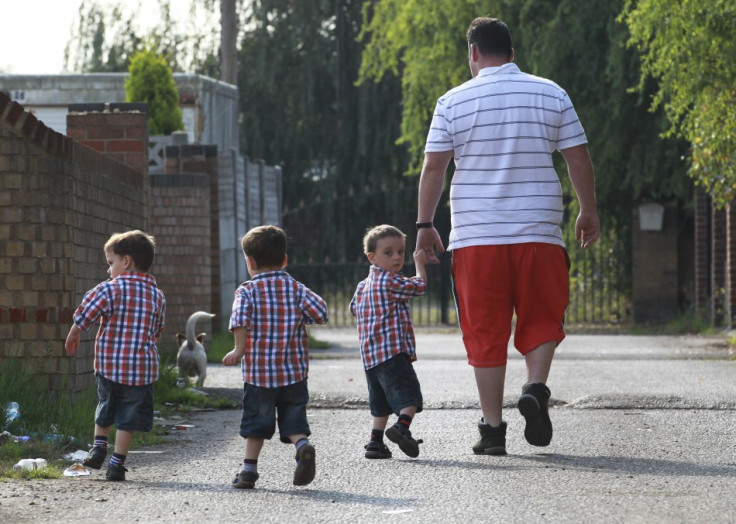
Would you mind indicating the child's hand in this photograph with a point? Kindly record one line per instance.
(420, 257)
(232, 358)
(72, 341)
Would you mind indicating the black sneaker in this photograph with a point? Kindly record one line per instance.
(95, 457)
(305, 465)
(400, 434)
(533, 405)
(116, 472)
(376, 449)
(245, 480)
(492, 440)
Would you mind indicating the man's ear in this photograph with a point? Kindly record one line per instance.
(511, 56)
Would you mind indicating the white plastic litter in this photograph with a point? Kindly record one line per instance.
(30, 465)
(80, 454)
(76, 470)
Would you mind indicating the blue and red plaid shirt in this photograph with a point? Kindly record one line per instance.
(275, 308)
(131, 312)
(380, 306)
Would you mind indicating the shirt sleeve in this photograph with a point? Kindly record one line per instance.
(96, 303)
(402, 288)
(314, 308)
(571, 132)
(242, 310)
(439, 137)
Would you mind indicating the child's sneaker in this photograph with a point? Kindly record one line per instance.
(95, 457)
(400, 434)
(533, 407)
(492, 440)
(116, 472)
(305, 465)
(376, 449)
(245, 480)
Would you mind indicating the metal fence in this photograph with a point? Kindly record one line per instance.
(598, 286)
(599, 276)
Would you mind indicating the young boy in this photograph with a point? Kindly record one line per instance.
(387, 343)
(130, 309)
(268, 323)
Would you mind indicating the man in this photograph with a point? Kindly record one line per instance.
(502, 127)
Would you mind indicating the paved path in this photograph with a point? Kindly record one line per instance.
(645, 431)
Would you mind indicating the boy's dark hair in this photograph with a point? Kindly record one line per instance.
(491, 36)
(374, 234)
(136, 244)
(266, 245)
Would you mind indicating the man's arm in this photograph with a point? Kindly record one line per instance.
(580, 171)
(430, 189)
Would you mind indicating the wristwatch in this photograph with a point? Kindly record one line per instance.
(422, 225)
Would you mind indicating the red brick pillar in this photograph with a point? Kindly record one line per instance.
(718, 266)
(702, 252)
(119, 131)
(730, 269)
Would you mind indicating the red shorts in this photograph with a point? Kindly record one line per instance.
(493, 282)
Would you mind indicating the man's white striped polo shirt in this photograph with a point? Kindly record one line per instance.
(503, 126)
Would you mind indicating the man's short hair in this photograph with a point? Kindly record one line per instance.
(491, 36)
(374, 234)
(136, 244)
(266, 245)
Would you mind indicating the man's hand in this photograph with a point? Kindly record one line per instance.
(427, 240)
(587, 229)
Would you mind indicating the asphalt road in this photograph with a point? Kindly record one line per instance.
(644, 432)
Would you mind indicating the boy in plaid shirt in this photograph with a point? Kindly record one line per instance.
(268, 321)
(130, 309)
(387, 346)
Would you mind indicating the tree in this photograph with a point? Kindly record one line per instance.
(688, 47)
(152, 81)
(107, 37)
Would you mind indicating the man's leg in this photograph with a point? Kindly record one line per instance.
(490, 383)
(534, 400)
(539, 361)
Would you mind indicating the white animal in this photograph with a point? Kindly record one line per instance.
(192, 358)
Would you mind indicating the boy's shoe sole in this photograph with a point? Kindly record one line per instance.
(245, 480)
(538, 431)
(305, 466)
(116, 473)
(95, 457)
(406, 443)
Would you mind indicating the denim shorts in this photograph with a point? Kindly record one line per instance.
(262, 406)
(130, 408)
(393, 386)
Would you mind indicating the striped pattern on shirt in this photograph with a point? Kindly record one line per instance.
(503, 126)
(275, 308)
(380, 306)
(131, 312)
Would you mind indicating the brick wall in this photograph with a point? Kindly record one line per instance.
(180, 221)
(60, 201)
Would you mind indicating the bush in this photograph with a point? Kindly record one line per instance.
(152, 81)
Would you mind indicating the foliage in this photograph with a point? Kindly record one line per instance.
(301, 109)
(151, 81)
(107, 36)
(688, 47)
